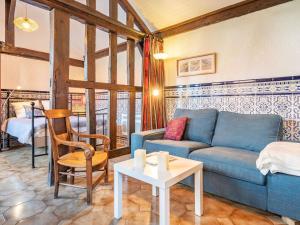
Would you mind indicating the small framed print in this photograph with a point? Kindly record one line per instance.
(198, 65)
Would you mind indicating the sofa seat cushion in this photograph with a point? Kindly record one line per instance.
(231, 162)
(200, 125)
(251, 132)
(177, 148)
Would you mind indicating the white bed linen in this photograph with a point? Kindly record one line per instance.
(21, 128)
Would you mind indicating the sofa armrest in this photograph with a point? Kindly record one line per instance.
(138, 139)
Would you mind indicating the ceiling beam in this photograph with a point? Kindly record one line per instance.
(105, 52)
(10, 7)
(88, 15)
(32, 54)
(137, 19)
(229, 12)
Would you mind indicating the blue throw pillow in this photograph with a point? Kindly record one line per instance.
(252, 132)
(201, 124)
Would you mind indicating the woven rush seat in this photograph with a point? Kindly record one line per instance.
(78, 160)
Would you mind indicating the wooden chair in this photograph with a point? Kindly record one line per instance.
(87, 160)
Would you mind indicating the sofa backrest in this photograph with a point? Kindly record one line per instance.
(201, 124)
(252, 132)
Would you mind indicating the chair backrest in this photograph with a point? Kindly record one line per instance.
(62, 114)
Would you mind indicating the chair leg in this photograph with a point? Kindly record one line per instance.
(89, 182)
(72, 178)
(106, 173)
(56, 180)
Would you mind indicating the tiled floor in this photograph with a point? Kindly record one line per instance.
(25, 199)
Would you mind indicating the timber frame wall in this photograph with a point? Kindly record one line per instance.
(62, 11)
(60, 14)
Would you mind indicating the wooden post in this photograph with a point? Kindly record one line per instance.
(90, 74)
(10, 6)
(113, 13)
(130, 79)
(59, 69)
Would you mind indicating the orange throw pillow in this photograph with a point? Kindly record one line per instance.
(175, 129)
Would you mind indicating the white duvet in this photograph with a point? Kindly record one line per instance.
(280, 157)
(21, 128)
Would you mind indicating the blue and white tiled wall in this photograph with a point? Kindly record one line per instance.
(261, 96)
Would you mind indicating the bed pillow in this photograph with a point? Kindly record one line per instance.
(175, 129)
(19, 109)
(28, 111)
(46, 104)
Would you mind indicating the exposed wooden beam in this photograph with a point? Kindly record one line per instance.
(139, 22)
(130, 77)
(105, 52)
(232, 11)
(59, 61)
(10, 7)
(32, 54)
(90, 74)
(86, 14)
(113, 65)
(59, 71)
(101, 85)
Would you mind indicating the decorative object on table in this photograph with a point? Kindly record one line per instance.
(197, 65)
(175, 129)
(152, 158)
(139, 158)
(26, 24)
(163, 161)
(280, 157)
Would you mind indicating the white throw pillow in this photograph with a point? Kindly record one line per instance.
(46, 104)
(19, 108)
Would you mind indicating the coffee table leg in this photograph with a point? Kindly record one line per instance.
(198, 192)
(154, 191)
(117, 195)
(164, 206)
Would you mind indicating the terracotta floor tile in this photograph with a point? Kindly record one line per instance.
(26, 199)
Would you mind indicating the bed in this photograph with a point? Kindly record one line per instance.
(21, 128)
(26, 123)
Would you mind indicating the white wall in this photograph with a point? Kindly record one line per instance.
(29, 74)
(259, 45)
(33, 74)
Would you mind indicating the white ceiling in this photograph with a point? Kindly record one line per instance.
(159, 14)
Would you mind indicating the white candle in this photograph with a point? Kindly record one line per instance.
(139, 158)
(163, 161)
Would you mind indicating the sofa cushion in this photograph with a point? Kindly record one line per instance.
(177, 148)
(231, 162)
(251, 132)
(201, 124)
(175, 129)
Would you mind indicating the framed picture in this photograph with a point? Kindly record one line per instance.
(197, 65)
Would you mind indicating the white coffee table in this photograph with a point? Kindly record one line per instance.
(179, 169)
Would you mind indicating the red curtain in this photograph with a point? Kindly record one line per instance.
(153, 105)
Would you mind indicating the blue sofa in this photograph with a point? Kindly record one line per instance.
(228, 144)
